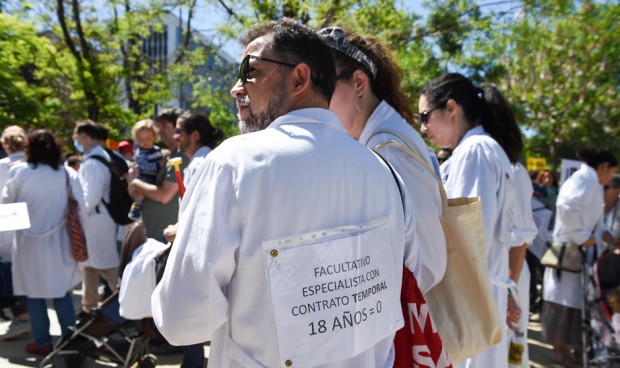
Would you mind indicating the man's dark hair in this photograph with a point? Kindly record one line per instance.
(88, 127)
(102, 133)
(169, 116)
(209, 135)
(43, 148)
(593, 156)
(295, 43)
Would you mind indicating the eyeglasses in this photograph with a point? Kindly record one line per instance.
(180, 130)
(244, 68)
(605, 187)
(422, 118)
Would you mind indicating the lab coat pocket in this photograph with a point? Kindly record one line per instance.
(336, 290)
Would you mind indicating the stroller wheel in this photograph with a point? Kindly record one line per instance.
(148, 361)
(74, 360)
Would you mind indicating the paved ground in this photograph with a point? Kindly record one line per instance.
(12, 353)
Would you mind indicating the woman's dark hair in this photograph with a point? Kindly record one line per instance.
(594, 157)
(296, 43)
(209, 135)
(43, 148)
(386, 85)
(482, 106)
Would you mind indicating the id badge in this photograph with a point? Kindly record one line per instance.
(335, 292)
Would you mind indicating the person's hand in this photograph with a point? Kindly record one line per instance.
(591, 241)
(514, 314)
(170, 232)
(132, 173)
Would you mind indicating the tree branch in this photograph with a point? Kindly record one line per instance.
(80, 31)
(60, 12)
(230, 12)
(188, 35)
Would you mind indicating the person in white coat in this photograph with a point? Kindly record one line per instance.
(368, 100)
(43, 265)
(480, 126)
(523, 234)
(290, 236)
(13, 142)
(101, 230)
(579, 211)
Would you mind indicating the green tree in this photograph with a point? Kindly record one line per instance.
(561, 67)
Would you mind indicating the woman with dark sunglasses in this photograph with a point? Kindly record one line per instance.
(481, 128)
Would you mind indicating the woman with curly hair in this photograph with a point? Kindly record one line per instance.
(43, 265)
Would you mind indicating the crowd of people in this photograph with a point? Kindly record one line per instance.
(314, 216)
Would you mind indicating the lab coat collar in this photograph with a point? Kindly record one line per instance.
(95, 150)
(201, 152)
(17, 156)
(383, 113)
(477, 130)
(309, 116)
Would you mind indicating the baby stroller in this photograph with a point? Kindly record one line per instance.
(599, 337)
(103, 334)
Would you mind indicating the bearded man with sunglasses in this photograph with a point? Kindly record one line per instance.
(291, 236)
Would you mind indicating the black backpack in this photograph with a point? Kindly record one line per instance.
(120, 200)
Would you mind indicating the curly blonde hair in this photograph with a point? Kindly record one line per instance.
(146, 124)
(13, 139)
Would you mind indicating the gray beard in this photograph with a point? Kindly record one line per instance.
(257, 122)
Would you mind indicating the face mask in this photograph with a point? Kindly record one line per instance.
(78, 146)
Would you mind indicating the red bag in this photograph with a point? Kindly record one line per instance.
(77, 237)
(418, 343)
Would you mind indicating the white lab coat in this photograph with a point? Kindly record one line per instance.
(303, 173)
(542, 217)
(579, 209)
(101, 229)
(427, 258)
(479, 167)
(524, 232)
(6, 237)
(43, 266)
(197, 159)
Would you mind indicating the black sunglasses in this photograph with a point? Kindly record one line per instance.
(244, 68)
(422, 118)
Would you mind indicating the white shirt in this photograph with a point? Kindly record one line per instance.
(579, 209)
(479, 167)
(197, 159)
(427, 258)
(43, 266)
(303, 173)
(100, 227)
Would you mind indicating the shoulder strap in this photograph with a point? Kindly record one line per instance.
(410, 149)
(100, 159)
(400, 191)
(69, 194)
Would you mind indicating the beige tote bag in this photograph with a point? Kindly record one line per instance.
(461, 304)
